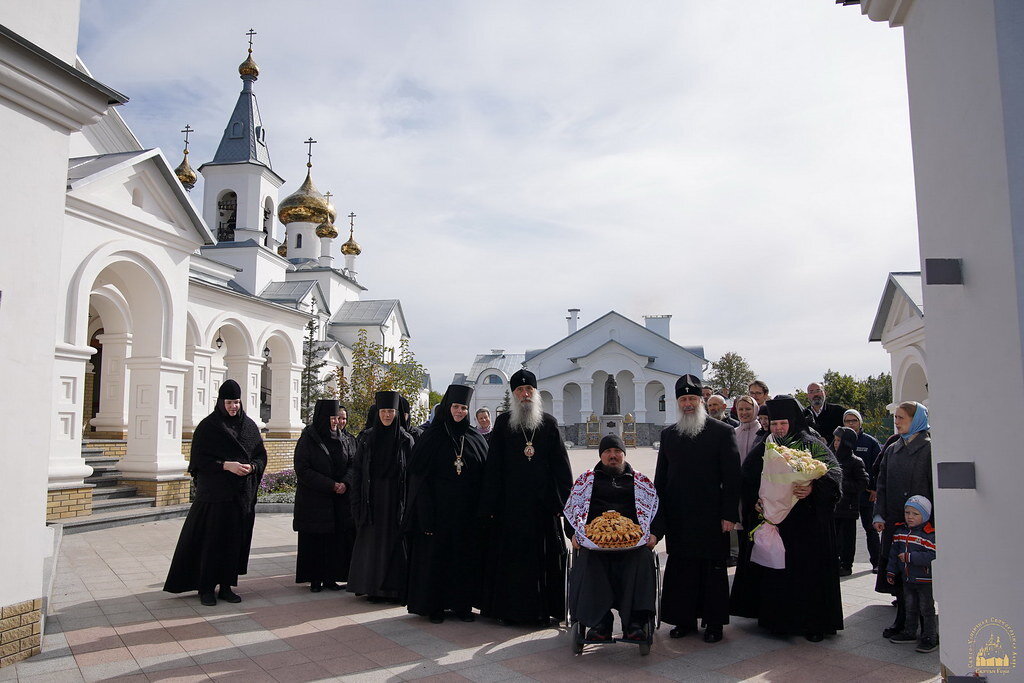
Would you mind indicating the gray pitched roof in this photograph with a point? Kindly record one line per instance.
(244, 140)
(907, 282)
(287, 292)
(365, 312)
(508, 363)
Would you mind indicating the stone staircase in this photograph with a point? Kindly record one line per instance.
(113, 503)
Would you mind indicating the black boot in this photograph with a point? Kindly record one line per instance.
(227, 595)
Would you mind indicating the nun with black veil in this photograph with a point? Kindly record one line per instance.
(804, 597)
(445, 478)
(227, 461)
(379, 560)
(323, 510)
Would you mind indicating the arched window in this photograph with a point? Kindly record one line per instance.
(493, 379)
(298, 241)
(227, 209)
(236, 129)
(661, 403)
(268, 220)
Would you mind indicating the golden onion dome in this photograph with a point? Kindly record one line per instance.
(248, 67)
(305, 205)
(326, 230)
(282, 250)
(185, 173)
(351, 247)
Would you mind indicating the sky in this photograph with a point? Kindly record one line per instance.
(744, 167)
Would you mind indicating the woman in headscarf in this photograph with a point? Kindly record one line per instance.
(323, 511)
(803, 598)
(379, 560)
(227, 462)
(905, 470)
(855, 482)
(445, 477)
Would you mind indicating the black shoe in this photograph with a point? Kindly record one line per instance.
(680, 632)
(712, 634)
(845, 571)
(373, 599)
(891, 631)
(904, 638)
(315, 587)
(208, 598)
(874, 570)
(331, 586)
(227, 595)
(599, 635)
(815, 637)
(466, 617)
(437, 617)
(928, 644)
(635, 633)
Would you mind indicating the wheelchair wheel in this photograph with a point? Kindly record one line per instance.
(576, 634)
(645, 649)
(645, 646)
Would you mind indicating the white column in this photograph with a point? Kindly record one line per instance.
(640, 401)
(325, 252)
(350, 265)
(286, 386)
(586, 389)
(113, 379)
(66, 465)
(198, 384)
(154, 419)
(246, 371)
(558, 409)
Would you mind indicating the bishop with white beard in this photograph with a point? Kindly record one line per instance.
(698, 482)
(526, 484)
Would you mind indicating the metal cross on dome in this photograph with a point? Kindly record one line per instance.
(309, 154)
(186, 130)
(352, 220)
(250, 33)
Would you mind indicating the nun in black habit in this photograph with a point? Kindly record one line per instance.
(227, 462)
(445, 477)
(323, 509)
(379, 560)
(804, 598)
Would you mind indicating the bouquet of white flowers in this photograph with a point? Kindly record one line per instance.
(784, 466)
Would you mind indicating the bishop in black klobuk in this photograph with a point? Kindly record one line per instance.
(227, 461)
(698, 481)
(442, 522)
(526, 484)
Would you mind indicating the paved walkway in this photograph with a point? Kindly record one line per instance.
(110, 620)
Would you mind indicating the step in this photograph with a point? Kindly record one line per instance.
(115, 518)
(109, 492)
(103, 468)
(101, 460)
(92, 452)
(105, 479)
(108, 504)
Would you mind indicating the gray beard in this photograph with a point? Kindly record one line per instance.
(818, 403)
(526, 415)
(719, 416)
(692, 425)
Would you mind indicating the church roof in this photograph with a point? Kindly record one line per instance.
(365, 312)
(508, 363)
(291, 291)
(907, 283)
(244, 140)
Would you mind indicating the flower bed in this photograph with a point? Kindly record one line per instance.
(278, 487)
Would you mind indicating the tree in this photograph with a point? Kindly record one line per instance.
(870, 397)
(506, 404)
(434, 398)
(372, 373)
(314, 386)
(731, 373)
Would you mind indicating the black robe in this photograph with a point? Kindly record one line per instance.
(379, 558)
(445, 551)
(804, 597)
(213, 548)
(522, 502)
(322, 517)
(698, 483)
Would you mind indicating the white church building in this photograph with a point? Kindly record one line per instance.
(573, 374)
(145, 303)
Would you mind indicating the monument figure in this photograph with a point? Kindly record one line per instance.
(612, 404)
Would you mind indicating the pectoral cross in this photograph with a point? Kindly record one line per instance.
(458, 465)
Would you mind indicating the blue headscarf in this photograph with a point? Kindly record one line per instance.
(919, 423)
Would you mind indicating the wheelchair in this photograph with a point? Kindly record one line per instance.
(577, 631)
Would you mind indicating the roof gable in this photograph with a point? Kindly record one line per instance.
(902, 299)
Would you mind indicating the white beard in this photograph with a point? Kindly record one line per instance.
(526, 415)
(692, 425)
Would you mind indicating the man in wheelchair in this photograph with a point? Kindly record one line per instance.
(608, 518)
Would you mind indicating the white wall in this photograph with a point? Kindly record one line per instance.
(965, 72)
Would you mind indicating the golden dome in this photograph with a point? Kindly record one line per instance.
(248, 67)
(351, 247)
(305, 205)
(282, 250)
(326, 230)
(185, 173)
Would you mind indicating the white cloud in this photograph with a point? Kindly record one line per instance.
(742, 166)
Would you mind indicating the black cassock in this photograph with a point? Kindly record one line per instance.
(698, 483)
(213, 548)
(522, 502)
(379, 558)
(445, 548)
(804, 597)
(605, 579)
(322, 517)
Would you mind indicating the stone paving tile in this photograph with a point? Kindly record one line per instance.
(109, 620)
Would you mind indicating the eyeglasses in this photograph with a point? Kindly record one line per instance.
(850, 420)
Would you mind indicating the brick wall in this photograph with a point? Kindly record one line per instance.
(112, 448)
(69, 502)
(20, 628)
(280, 453)
(166, 492)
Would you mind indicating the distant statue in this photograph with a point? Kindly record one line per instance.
(612, 404)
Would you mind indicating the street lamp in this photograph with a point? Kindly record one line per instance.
(219, 343)
(266, 352)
